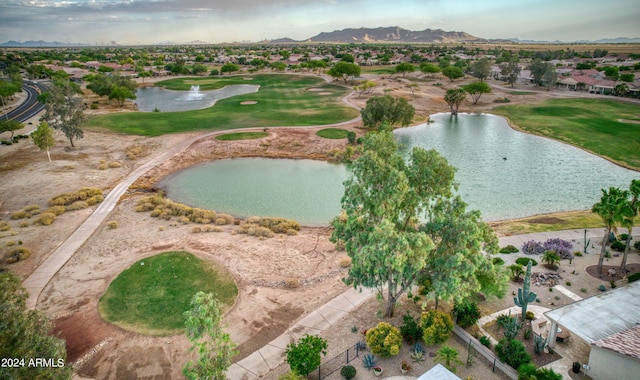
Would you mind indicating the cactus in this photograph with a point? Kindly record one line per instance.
(368, 361)
(524, 295)
(538, 344)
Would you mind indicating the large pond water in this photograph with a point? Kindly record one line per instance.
(150, 98)
(503, 173)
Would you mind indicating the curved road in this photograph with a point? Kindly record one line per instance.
(30, 107)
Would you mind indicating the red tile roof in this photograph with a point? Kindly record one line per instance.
(626, 342)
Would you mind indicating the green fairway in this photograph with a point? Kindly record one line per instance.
(333, 133)
(151, 296)
(242, 136)
(608, 128)
(282, 100)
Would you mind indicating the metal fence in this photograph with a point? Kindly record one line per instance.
(485, 352)
(336, 363)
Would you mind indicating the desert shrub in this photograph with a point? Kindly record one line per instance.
(436, 326)
(512, 352)
(112, 224)
(485, 341)
(524, 261)
(10, 243)
(466, 313)
(551, 259)
(345, 262)
(56, 210)
(497, 261)
(133, 152)
(156, 213)
(533, 247)
(508, 249)
(577, 253)
(410, 330)
(253, 230)
(69, 198)
(223, 219)
(196, 230)
(114, 165)
(277, 225)
(32, 209)
(45, 219)
(78, 205)
(618, 246)
(17, 254)
(94, 200)
(562, 247)
(4, 226)
(102, 167)
(530, 316)
(348, 372)
(24, 224)
(634, 277)
(384, 340)
(291, 283)
(517, 271)
(183, 220)
(20, 215)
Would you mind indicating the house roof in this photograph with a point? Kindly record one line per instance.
(626, 342)
(602, 315)
(438, 372)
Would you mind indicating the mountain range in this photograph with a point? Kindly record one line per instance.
(393, 34)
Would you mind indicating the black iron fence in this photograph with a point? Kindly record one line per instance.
(336, 363)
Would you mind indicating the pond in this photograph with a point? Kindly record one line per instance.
(150, 98)
(503, 173)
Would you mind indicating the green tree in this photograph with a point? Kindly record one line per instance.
(384, 200)
(550, 76)
(229, 68)
(627, 77)
(512, 352)
(144, 74)
(387, 109)
(538, 69)
(621, 89)
(476, 89)
(304, 357)
(65, 111)
(43, 138)
(429, 69)
(26, 335)
(454, 97)
(404, 68)
(121, 94)
(612, 72)
(344, 70)
(510, 70)
(365, 87)
(448, 356)
(204, 329)
(610, 209)
(629, 212)
(10, 125)
(481, 69)
(453, 73)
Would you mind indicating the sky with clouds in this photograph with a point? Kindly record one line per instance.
(213, 21)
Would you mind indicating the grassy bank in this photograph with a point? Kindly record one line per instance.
(333, 133)
(608, 128)
(282, 100)
(242, 136)
(558, 221)
(151, 296)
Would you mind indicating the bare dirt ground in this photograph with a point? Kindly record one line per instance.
(265, 307)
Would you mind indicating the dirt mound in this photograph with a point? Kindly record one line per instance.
(612, 272)
(82, 331)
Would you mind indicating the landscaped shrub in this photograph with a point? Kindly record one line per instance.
(69, 198)
(114, 165)
(551, 260)
(384, 339)
(636, 245)
(530, 316)
(524, 261)
(223, 219)
(253, 230)
(517, 271)
(436, 326)
(485, 341)
(45, 219)
(56, 210)
(20, 215)
(618, 246)
(508, 249)
(304, 356)
(78, 205)
(562, 247)
(532, 247)
(368, 361)
(634, 277)
(466, 313)
(497, 261)
(277, 225)
(94, 200)
(410, 330)
(112, 224)
(512, 352)
(348, 372)
(602, 288)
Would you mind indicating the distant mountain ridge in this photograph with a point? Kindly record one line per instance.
(392, 34)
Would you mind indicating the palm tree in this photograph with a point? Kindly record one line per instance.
(551, 259)
(455, 97)
(631, 210)
(610, 209)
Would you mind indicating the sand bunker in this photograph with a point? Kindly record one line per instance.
(324, 93)
(314, 89)
(248, 102)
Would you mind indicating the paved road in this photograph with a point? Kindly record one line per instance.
(30, 107)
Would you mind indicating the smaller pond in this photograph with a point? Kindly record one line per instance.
(307, 191)
(150, 98)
